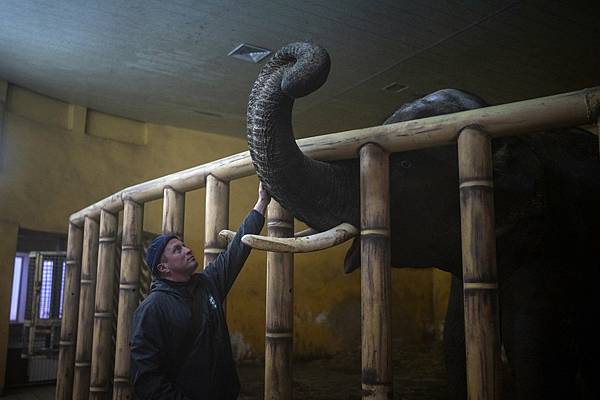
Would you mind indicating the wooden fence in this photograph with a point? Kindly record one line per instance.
(88, 367)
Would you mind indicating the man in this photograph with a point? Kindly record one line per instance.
(180, 346)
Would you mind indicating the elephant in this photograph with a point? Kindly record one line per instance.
(546, 197)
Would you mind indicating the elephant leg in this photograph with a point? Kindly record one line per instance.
(538, 332)
(454, 343)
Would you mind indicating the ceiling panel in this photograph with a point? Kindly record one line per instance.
(166, 62)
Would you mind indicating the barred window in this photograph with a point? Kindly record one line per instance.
(46, 289)
(62, 289)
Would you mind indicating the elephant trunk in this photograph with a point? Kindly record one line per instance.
(321, 194)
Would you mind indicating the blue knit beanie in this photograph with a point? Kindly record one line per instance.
(155, 250)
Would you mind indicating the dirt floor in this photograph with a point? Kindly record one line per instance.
(419, 373)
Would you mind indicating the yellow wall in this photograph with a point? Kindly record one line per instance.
(58, 158)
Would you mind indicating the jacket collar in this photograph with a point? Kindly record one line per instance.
(179, 289)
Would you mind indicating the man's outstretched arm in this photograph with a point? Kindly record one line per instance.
(228, 264)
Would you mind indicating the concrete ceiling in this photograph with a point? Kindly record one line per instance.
(166, 61)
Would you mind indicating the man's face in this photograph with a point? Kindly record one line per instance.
(178, 262)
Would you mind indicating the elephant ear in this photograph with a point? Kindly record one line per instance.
(352, 259)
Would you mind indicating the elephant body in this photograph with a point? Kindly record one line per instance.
(546, 195)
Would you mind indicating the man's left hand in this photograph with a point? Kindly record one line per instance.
(264, 198)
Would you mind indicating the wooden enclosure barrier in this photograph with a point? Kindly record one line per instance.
(279, 308)
(475, 167)
(216, 218)
(562, 110)
(68, 328)
(103, 346)
(375, 273)
(568, 109)
(83, 350)
(131, 259)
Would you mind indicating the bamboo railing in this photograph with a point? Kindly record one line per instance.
(83, 354)
(374, 144)
(375, 273)
(103, 348)
(479, 263)
(216, 217)
(68, 328)
(131, 260)
(279, 307)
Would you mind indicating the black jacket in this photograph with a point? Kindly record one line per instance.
(180, 346)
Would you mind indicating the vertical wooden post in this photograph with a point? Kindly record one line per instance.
(131, 260)
(279, 309)
(68, 336)
(83, 352)
(375, 273)
(103, 346)
(216, 217)
(173, 212)
(479, 264)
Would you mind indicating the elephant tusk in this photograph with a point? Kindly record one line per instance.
(228, 235)
(305, 244)
(306, 232)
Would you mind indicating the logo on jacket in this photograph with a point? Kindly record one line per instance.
(212, 302)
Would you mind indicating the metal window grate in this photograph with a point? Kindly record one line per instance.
(62, 289)
(46, 278)
(46, 289)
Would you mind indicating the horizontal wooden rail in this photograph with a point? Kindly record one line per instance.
(568, 109)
